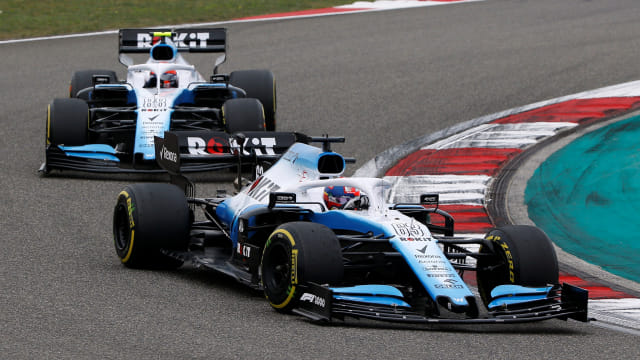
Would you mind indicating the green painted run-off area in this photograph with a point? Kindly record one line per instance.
(586, 197)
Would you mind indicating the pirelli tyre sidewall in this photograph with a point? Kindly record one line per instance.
(524, 255)
(297, 253)
(150, 218)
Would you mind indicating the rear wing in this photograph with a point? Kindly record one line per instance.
(210, 40)
(177, 151)
(180, 149)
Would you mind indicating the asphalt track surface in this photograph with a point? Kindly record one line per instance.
(379, 79)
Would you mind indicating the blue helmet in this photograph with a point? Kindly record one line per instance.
(336, 197)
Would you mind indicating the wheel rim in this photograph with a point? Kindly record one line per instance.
(277, 269)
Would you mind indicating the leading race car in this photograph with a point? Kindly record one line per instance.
(330, 247)
(107, 125)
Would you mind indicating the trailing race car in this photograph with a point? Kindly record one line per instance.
(330, 247)
(108, 125)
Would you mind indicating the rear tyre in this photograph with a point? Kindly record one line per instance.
(295, 254)
(67, 122)
(83, 79)
(241, 115)
(523, 255)
(261, 85)
(147, 219)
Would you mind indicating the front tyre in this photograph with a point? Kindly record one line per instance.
(295, 254)
(147, 219)
(67, 122)
(519, 255)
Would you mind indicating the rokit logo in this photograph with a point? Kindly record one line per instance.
(200, 146)
(182, 40)
(313, 299)
(166, 154)
(257, 146)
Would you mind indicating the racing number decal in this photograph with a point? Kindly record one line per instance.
(507, 253)
(130, 209)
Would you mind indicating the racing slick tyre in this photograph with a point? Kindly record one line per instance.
(261, 85)
(295, 254)
(241, 115)
(523, 255)
(147, 219)
(68, 122)
(83, 79)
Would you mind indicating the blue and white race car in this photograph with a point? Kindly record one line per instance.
(107, 125)
(330, 247)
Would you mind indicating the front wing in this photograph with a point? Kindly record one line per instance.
(323, 304)
(197, 151)
(102, 160)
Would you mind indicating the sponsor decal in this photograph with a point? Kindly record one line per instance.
(290, 156)
(182, 40)
(313, 299)
(439, 275)
(429, 199)
(130, 210)
(244, 250)
(414, 239)
(217, 145)
(214, 145)
(294, 266)
(259, 170)
(437, 268)
(261, 188)
(259, 146)
(166, 154)
(449, 284)
(434, 261)
(507, 254)
(428, 256)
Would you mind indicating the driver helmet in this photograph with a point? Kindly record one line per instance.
(169, 79)
(336, 197)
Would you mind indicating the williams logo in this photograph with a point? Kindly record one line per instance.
(449, 284)
(423, 250)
